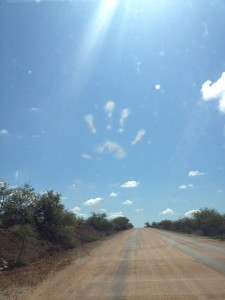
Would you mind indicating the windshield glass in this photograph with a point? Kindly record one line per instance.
(117, 105)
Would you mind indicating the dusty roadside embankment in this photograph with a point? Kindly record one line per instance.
(14, 283)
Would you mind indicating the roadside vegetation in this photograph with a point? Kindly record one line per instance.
(205, 222)
(26, 214)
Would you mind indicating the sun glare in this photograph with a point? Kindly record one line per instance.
(93, 39)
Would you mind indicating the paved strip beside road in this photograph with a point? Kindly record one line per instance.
(142, 264)
(197, 249)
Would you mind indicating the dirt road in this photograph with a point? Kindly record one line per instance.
(142, 264)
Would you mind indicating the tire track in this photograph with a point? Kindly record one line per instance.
(119, 284)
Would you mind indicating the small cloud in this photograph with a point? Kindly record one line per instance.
(86, 156)
(185, 186)
(76, 184)
(109, 108)
(89, 119)
(215, 91)
(157, 86)
(92, 186)
(93, 202)
(190, 213)
(138, 137)
(138, 67)
(127, 202)
(75, 210)
(112, 147)
(103, 210)
(195, 173)
(219, 191)
(167, 211)
(83, 216)
(115, 215)
(35, 109)
(130, 184)
(113, 194)
(123, 116)
(4, 132)
(139, 210)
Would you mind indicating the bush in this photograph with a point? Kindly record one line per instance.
(23, 232)
(66, 237)
(121, 223)
(17, 205)
(207, 222)
(100, 222)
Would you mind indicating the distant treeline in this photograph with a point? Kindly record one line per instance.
(206, 222)
(28, 213)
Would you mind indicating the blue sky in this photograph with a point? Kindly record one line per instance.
(117, 105)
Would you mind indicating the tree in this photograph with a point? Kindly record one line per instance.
(48, 214)
(99, 222)
(17, 205)
(147, 225)
(209, 222)
(121, 223)
(206, 222)
(4, 192)
(53, 222)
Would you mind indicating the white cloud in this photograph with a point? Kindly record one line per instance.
(75, 210)
(109, 108)
(167, 211)
(76, 184)
(123, 116)
(138, 137)
(82, 215)
(103, 210)
(195, 173)
(127, 202)
(90, 123)
(139, 210)
(86, 156)
(113, 194)
(4, 132)
(185, 186)
(189, 214)
(215, 91)
(35, 109)
(112, 147)
(115, 215)
(130, 184)
(92, 202)
(138, 67)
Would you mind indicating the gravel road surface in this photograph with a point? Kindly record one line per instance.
(142, 264)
